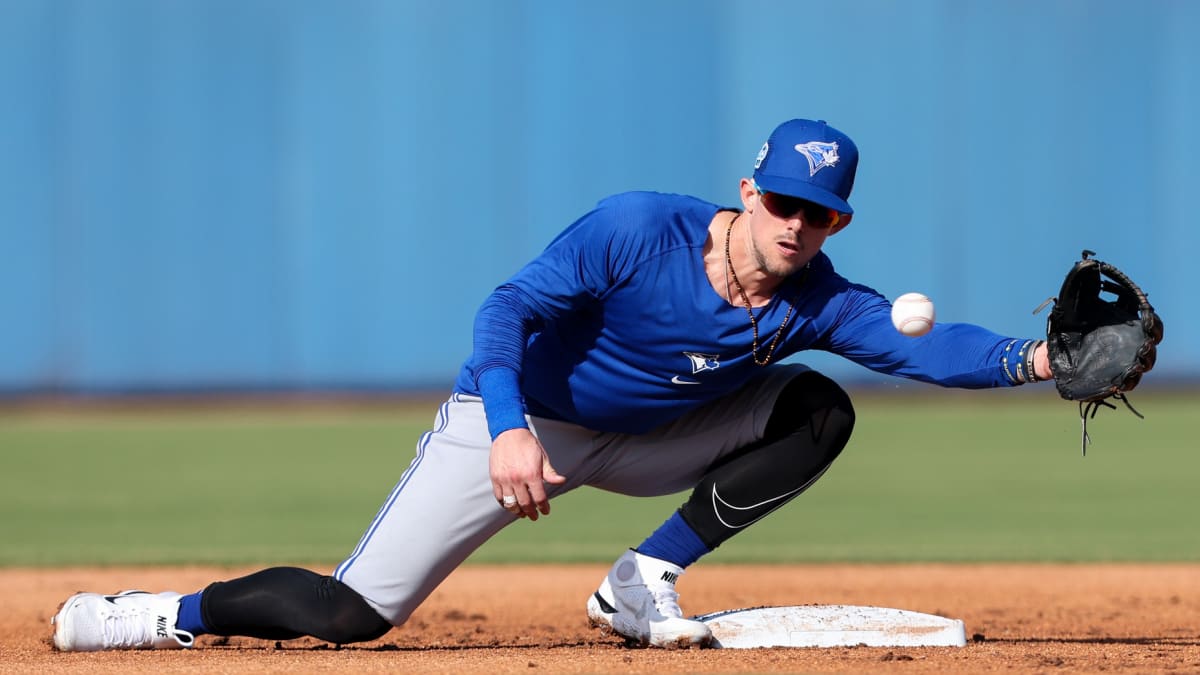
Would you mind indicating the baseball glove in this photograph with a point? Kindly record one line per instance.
(1099, 349)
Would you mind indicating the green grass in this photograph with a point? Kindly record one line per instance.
(989, 476)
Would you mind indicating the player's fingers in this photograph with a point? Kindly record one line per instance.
(526, 502)
(506, 497)
(516, 510)
(541, 501)
(549, 474)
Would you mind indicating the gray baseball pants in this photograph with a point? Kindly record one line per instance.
(443, 508)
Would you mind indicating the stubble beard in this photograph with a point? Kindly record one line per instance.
(779, 269)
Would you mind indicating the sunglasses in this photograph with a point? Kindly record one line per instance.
(788, 207)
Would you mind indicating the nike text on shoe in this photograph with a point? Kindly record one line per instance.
(89, 622)
(637, 600)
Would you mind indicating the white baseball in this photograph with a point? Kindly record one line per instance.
(912, 314)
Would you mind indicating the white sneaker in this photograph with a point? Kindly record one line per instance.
(89, 622)
(637, 600)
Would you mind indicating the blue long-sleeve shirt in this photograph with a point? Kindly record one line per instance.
(616, 327)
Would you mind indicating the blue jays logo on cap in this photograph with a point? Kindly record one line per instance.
(811, 160)
(818, 154)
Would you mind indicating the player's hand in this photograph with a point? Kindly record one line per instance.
(520, 469)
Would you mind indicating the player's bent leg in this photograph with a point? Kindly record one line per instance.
(810, 423)
(282, 603)
(811, 420)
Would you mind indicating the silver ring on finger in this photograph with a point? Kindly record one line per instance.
(509, 500)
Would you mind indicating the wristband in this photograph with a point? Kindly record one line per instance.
(1018, 367)
(1004, 363)
(1031, 368)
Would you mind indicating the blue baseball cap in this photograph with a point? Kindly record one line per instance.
(810, 160)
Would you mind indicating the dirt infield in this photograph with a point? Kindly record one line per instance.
(511, 619)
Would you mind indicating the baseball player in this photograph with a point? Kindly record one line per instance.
(638, 353)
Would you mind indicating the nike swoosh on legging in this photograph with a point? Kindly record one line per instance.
(740, 511)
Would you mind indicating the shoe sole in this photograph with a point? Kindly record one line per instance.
(682, 642)
(598, 620)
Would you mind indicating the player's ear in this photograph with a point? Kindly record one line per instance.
(749, 195)
(843, 220)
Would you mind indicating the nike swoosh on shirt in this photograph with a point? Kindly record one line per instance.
(679, 380)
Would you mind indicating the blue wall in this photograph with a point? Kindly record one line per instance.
(303, 194)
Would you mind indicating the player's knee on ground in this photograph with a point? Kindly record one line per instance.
(349, 618)
(283, 603)
(810, 424)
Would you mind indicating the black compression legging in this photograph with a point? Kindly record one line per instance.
(809, 425)
(282, 603)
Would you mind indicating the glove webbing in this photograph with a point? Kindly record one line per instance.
(1150, 321)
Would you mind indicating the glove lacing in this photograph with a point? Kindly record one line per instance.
(1088, 409)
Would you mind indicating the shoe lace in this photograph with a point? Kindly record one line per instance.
(666, 600)
(126, 627)
(132, 626)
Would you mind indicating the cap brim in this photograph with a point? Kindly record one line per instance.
(803, 190)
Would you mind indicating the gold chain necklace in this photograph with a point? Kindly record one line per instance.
(749, 308)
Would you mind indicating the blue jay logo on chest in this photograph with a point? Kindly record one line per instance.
(700, 363)
(819, 155)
